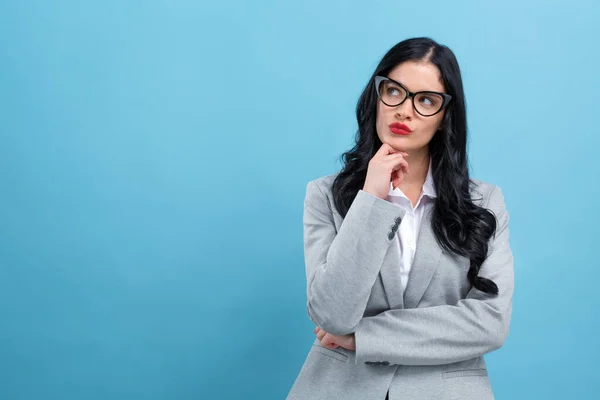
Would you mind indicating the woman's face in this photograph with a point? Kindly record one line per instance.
(415, 77)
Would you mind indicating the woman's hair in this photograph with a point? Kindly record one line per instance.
(460, 226)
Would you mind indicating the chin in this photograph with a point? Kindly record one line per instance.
(400, 146)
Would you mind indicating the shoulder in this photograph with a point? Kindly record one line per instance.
(487, 195)
(324, 182)
(320, 188)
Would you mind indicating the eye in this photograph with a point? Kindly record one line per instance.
(430, 100)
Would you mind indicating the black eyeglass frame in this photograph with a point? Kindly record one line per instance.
(381, 78)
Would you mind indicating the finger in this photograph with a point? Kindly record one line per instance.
(320, 334)
(317, 329)
(383, 150)
(386, 149)
(394, 151)
(394, 163)
(329, 341)
(399, 171)
(397, 164)
(398, 176)
(394, 156)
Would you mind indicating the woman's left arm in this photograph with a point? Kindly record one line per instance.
(445, 334)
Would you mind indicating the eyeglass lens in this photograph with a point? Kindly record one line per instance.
(425, 103)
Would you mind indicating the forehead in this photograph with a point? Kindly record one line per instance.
(417, 77)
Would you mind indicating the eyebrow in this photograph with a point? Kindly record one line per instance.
(415, 91)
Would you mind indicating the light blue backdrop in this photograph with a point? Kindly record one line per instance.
(153, 162)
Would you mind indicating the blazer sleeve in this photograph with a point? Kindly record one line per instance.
(341, 267)
(445, 334)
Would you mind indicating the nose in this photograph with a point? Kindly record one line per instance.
(406, 108)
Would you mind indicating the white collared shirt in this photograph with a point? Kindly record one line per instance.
(408, 231)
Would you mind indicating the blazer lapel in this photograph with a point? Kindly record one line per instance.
(390, 276)
(425, 262)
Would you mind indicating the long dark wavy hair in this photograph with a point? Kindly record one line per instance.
(460, 226)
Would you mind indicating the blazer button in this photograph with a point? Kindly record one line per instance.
(398, 220)
(391, 235)
(368, 363)
(385, 363)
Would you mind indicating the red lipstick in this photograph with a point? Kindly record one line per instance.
(399, 129)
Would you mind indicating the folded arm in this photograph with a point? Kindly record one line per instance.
(445, 334)
(341, 267)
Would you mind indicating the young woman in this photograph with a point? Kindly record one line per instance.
(408, 265)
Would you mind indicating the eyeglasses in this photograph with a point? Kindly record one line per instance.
(393, 94)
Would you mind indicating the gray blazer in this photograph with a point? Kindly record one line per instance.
(425, 343)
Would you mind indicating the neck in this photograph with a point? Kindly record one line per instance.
(418, 166)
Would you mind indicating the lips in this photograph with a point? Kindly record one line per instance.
(399, 128)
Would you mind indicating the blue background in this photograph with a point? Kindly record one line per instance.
(153, 163)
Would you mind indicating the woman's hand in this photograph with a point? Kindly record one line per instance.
(332, 341)
(387, 165)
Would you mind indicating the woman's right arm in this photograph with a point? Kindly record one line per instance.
(342, 267)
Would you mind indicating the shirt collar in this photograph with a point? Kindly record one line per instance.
(428, 185)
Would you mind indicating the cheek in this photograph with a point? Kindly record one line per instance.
(381, 118)
(384, 114)
(432, 125)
